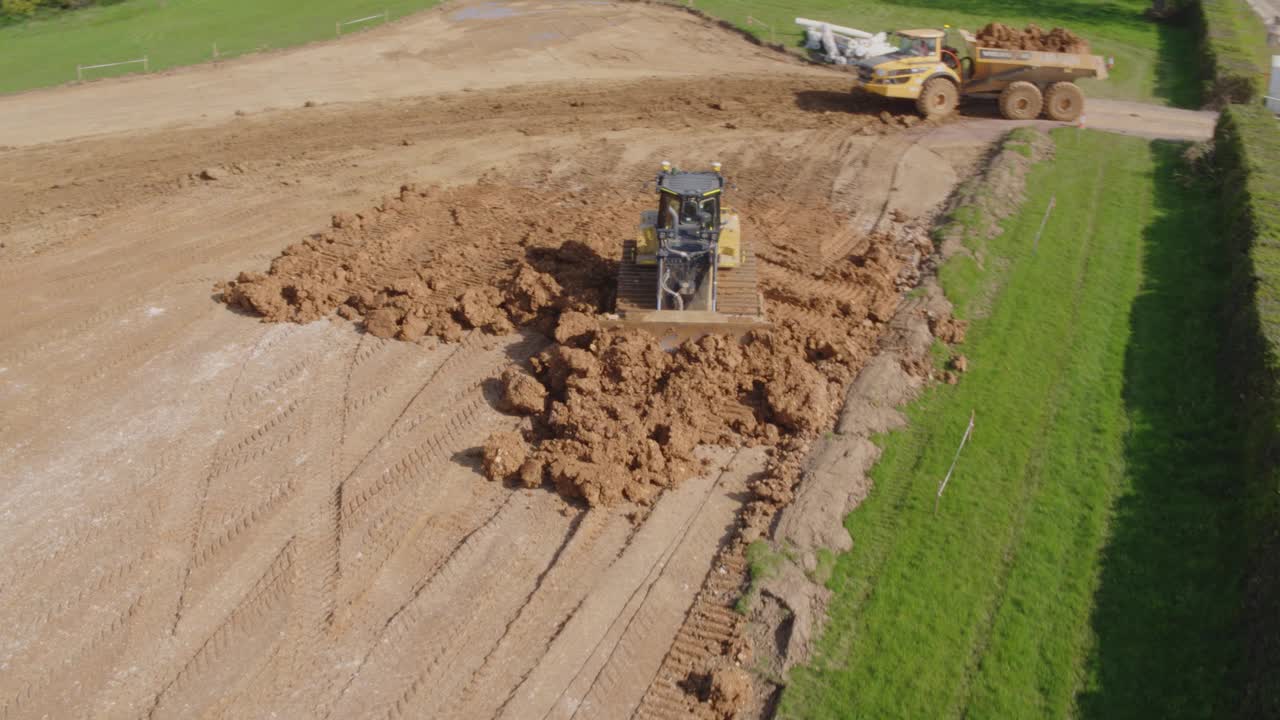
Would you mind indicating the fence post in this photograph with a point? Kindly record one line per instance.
(943, 486)
(1035, 245)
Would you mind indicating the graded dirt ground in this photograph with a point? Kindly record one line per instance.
(206, 515)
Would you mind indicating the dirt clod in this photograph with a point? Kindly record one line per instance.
(521, 393)
(724, 691)
(505, 454)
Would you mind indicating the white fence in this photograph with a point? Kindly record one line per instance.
(337, 27)
(146, 66)
(220, 54)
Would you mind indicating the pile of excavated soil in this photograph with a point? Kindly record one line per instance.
(1033, 37)
(437, 262)
(613, 417)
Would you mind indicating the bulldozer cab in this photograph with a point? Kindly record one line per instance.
(689, 201)
(689, 212)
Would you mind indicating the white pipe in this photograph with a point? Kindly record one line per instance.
(817, 25)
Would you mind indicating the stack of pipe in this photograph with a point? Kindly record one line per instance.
(842, 45)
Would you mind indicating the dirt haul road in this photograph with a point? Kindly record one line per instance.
(205, 515)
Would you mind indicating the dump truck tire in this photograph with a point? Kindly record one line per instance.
(1064, 102)
(1021, 101)
(938, 98)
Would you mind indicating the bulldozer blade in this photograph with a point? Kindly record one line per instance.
(675, 327)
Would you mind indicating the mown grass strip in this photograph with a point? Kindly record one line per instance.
(988, 609)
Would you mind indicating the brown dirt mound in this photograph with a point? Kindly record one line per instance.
(613, 417)
(1033, 37)
(438, 262)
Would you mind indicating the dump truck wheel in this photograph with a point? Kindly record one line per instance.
(1064, 102)
(1021, 101)
(938, 98)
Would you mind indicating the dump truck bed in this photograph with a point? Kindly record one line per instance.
(995, 68)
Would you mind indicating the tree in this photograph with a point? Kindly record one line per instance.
(19, 7)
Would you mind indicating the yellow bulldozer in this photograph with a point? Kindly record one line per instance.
(689, 271)
(1025, 83)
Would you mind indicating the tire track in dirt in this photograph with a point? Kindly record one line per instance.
(594, 546)
(270, 432)
(248, 622)
(583, 656)
(75, 668)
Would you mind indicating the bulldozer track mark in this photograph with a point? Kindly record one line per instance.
(444, 650)
(415, 461)
(708, 624)
(576, 559)
(266, 592)
(104, 580)
(633, 608)
(245, 405)
(79, 537)
(455, 555)
(245, 519)
(233, 457)
(366, 349)
(32, 689)
(368, 398)
(220, 466)
(784, 287)
(570, 536)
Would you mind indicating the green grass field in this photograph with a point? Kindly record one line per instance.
(45, 52)
(1083, 562)
(1153, 62)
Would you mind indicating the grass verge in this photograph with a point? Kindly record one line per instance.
(45, 51)
(1083, 561)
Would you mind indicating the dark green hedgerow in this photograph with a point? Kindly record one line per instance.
(1247, 153)
(1233, 49)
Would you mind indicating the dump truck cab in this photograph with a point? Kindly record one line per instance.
(919, 59)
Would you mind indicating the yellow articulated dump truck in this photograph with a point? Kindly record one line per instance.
(1026, 83)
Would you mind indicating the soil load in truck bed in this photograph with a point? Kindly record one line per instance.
(1033, 37)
